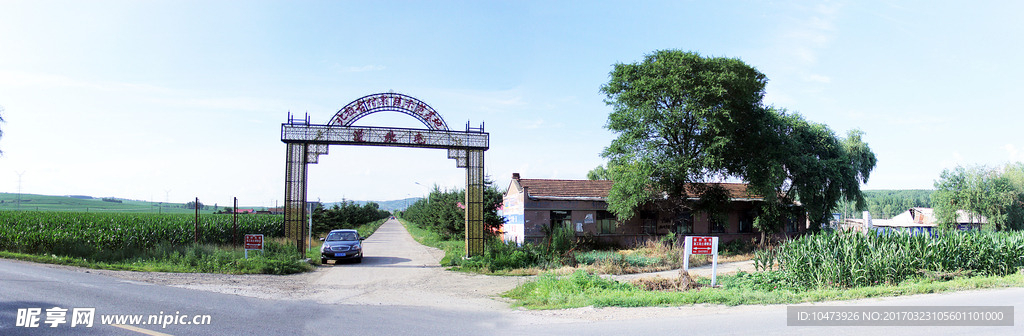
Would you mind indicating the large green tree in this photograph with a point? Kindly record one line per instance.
(814, 166)
(980, 191)
(443, 212)
(681, 118)
(599, 173)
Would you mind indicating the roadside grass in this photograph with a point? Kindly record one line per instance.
(276, 258)
(368, 229)
(453, 249)
(508, 260)
(581, 289)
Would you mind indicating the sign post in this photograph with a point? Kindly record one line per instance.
(253, 242)
(702, 245)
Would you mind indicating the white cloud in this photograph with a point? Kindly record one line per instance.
(22, 79)
(364, 68)
(815, 78)
(808, 35)
(1013, 152)
(956, 160)
(534, 124)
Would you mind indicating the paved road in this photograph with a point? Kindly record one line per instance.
(375, 306)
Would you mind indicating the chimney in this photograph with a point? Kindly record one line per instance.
(515, 176)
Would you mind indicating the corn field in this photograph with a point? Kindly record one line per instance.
(49, 232)
(853, 259)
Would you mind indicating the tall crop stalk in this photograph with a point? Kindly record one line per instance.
(837, 259)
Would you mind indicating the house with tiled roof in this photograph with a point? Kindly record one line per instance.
(534, 207)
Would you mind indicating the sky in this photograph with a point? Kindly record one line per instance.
(172, 100)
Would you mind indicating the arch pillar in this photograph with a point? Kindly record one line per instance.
(306, 142)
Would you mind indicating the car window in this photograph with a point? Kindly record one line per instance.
(341, 236)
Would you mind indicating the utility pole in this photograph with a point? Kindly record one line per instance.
(19, 188)
(197, 220)
(234, 222)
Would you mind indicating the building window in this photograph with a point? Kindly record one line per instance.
(649, 222)
(605, 222)
(561, 219)
(684, 223)
(746, 223)
(717, 223)
(791, 225)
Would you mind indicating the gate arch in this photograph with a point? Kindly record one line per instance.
(306, 142)
(394, 102)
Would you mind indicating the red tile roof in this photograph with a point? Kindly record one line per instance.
(599, 189)
(566, 188)
(736, 190)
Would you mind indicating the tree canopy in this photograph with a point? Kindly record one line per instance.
(444, 213)
(884, 204)
(681, 118)
(994, 193)
(599, 173)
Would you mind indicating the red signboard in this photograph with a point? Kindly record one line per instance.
(253, 242)
(701, 245)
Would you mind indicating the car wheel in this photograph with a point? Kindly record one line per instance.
(359, 260)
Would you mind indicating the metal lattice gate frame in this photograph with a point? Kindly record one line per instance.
(306, 142)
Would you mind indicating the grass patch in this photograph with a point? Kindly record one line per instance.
(277, 258)
(581, 289)
(501, 258)
(453, 249)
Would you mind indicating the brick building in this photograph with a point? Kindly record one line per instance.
(532, 207)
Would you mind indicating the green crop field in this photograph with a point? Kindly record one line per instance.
(31, 202)
(847, 260)
(146, 241)
(60, 232)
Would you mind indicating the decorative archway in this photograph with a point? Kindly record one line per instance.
(306, 142)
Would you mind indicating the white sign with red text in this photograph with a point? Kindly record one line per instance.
(253, 242)
(702, 245)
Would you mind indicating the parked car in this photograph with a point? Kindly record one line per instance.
(342, 245)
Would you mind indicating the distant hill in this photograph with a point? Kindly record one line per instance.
(384, 205)
(81, 203)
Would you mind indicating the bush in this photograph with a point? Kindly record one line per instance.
(499, 256)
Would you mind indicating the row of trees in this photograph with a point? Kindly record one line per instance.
(347, 215)
(683, 119)
(888, 203)
(443, 211)
(996, 193)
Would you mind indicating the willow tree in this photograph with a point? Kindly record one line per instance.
(684, 119)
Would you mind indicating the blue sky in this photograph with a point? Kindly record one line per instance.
(170, 100)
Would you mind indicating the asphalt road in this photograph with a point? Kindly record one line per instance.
(28, 285)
